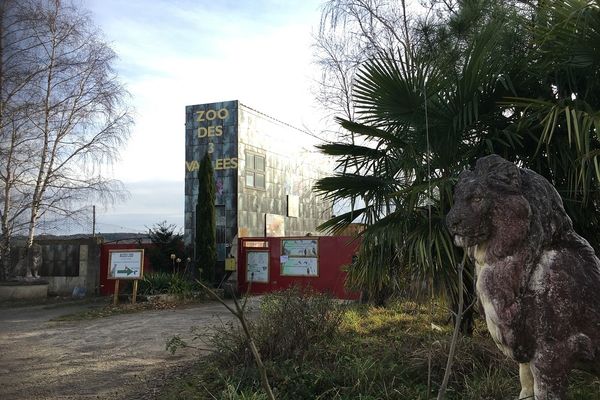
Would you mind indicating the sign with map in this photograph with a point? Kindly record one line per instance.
(126, 264)
(257, 266)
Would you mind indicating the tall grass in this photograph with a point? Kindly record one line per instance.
(316, 349)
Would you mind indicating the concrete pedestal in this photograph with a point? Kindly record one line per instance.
(21, 290)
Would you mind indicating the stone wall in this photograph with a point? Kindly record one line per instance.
(68, 263)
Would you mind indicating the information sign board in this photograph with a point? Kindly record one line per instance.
(126, 264)
(300, 257)
(257, 266)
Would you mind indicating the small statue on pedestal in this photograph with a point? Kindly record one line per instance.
(29, 264)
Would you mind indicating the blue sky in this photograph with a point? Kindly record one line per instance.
(182, 52)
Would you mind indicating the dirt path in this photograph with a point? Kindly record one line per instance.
(118, 357)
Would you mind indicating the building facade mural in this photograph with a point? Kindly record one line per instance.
(264, 174)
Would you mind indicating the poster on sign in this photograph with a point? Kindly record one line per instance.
(300, 247)
(300, 266)
(257, 266)
(126, 264)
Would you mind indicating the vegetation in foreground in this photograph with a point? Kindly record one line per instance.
(315, 348)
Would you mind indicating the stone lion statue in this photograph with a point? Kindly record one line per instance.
(537, 280)
(30, 262)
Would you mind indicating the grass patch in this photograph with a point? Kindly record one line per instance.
(358, 352)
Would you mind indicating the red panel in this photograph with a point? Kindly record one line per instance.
(335, 252)
(107, 286)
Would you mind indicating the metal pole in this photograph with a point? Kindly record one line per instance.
(94, 221)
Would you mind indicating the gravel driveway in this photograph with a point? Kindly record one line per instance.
(119, 357)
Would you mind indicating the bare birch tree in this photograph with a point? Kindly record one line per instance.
(17, 73)
(68, 114)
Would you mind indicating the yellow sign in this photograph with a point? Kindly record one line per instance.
(205, 117)
(210, 115)
(210, 131)
(218, 164)
(226, 163)
(230, 264)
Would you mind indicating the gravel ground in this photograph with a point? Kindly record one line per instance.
(118, 357)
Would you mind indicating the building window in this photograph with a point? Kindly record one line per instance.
(255, 170)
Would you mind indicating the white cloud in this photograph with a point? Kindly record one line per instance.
(173, 56)
(178, 53)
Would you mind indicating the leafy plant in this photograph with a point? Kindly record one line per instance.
(289, 324)
(166, 283)
(154, 283)
(181, 285)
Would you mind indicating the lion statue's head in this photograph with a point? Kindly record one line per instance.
(505, 208)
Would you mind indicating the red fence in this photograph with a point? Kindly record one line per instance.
(276, 263)
(309, 261)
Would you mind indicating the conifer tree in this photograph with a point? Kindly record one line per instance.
(206, 232)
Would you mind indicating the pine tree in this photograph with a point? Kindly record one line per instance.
(167, 241)
(206, 233)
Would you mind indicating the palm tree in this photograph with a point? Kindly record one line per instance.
(421, 120)
(562, 112)
(489, 80)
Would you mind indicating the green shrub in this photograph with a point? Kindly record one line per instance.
(167, 283)
(293, 321)
(154, 283)
(181, 285)
(290, 323)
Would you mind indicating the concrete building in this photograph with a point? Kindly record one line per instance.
(264, 174)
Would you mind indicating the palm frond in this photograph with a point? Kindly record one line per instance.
(575, 120)
(338, 223)
(371, 133)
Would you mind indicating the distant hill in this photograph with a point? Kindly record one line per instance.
(120, 237)
(124, 237)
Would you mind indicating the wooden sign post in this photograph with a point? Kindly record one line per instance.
(126, 265)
